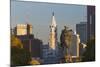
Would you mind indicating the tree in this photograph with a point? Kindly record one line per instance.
(35, 62)
(89, 54)
(19, 56)
(15, 42)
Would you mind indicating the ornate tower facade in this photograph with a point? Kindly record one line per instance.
(53, 33)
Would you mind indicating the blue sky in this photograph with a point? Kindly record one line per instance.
(40, 15)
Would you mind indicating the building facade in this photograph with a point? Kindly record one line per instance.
(81, 29)
(51, 52)
(53, 33)
(33, 45)
(90, 22)
(23, 29)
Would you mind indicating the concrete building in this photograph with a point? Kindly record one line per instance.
(53, 33)
(81, 29)
(53, 46)
(33, 45)
(90, 22)
(23, 29)
(51, 50)
(45, 50)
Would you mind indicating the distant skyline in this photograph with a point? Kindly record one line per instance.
(39, 15)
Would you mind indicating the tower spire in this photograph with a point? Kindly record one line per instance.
(53, 33)
(53, 20)
(52, 13)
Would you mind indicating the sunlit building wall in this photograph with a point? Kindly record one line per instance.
(23, 29)
(53, 34)
(33, 45)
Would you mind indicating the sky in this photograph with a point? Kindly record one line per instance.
(39, 15)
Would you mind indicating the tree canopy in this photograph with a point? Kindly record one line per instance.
(19, 56)
(15, 42)
(89, 54)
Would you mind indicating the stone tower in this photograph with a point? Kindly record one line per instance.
(53, 33)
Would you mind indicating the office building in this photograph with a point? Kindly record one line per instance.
(33, 45)
(81, 29)
(90, 22)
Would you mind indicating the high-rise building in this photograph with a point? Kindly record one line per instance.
(81, 29)
(90, 22)
(53, 33)
(33, 45)
(23, 29)
(51, 54)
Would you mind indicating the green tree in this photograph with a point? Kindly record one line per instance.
(19, 56)
(15, 42)
(89, 54)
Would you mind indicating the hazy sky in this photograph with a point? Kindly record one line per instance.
(40, 15)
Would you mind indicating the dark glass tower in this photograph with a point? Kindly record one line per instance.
(90, 22)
